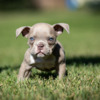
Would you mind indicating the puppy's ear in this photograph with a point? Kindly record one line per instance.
(24, 30)
(59, 27)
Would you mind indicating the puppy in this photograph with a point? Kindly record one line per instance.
(45, 52)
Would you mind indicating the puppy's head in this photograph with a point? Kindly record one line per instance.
(42, 37)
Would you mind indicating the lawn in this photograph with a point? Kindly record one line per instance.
(82, 47)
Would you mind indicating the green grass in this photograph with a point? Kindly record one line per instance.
(82, 49)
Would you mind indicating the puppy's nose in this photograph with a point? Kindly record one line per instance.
(40, 46)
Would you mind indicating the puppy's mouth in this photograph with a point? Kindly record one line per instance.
(40, 54)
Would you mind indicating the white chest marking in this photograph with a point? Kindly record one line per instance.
(32, 61)
(42, 63)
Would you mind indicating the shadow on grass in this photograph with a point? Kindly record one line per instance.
(43, 75)
(47, 75)
(2, 68)
(83, 60)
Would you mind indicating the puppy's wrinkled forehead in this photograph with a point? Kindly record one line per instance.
(42, 29)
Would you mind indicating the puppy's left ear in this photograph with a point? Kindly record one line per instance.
(59, 27)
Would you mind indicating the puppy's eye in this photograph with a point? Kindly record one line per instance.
(32, 38)
(50, 39)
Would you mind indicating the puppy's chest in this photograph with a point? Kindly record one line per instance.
(43, 64)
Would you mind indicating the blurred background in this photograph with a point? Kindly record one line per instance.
(83, 17)
(6, 5)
